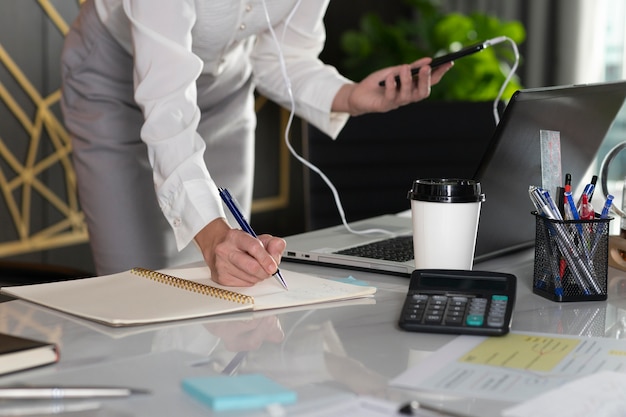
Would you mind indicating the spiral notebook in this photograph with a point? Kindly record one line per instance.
(141, 296)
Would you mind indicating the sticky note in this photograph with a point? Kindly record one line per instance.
(351, 280)
(238, 392)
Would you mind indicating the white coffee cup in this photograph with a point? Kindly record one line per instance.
(445, 215)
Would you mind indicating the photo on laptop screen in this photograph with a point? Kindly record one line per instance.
(582, 114)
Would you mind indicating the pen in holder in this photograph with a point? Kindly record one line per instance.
(571, 259)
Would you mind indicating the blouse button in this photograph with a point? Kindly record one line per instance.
(248, 7)
(177, 222)
(242, 26)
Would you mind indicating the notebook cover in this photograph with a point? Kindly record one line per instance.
(19, 353)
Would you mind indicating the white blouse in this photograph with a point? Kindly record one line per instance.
(174, 42)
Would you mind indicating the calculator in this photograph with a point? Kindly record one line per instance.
(459, 302)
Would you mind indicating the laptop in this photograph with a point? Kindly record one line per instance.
(581, 113)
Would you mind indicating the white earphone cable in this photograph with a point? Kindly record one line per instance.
(312, 167)
(302, 160)
(509, 76)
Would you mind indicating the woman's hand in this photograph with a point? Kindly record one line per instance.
(368, 96)
(237, 259)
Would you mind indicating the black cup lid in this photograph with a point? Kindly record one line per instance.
(446, 190)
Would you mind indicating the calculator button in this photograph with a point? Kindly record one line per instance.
(413, 310)
(456, 313)
(474, 320)
(433, 318)
(495, 321)
(454, 320)
(420, 297)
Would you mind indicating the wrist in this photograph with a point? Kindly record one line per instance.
(342, 102)
(210, 236)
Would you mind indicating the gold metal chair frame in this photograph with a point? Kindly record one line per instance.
(23, 177)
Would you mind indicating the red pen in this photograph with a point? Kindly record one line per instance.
(586, 209)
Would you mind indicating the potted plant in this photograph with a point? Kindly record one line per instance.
(428, 31)
(379, 155)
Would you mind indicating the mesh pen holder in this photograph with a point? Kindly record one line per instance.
(571, 259)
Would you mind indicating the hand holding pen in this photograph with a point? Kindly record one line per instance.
(230, 203)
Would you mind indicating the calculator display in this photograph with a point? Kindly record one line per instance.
(476, 283)
(459, 302)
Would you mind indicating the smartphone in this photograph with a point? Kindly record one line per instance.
(443, 59)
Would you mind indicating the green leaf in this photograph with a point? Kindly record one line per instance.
(430, 32)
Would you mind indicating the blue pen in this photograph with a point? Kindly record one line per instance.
(555, 211)
(572, 212)
(588, 191)
(243, 223)
(607, 207)
(602, 227)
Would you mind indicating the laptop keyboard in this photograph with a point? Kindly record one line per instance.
(397, 249)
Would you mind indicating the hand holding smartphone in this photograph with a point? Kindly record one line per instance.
(444, 59)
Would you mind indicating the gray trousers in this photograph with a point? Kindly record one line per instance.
(115, 187)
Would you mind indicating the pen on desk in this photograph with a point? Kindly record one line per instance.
(416, 408)
(43, 393)
(235, 363)
(245, 226)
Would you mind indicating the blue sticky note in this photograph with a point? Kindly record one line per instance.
(351, 280)
(238, 392)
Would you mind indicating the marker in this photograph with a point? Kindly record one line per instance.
(567, 188)
(586, 209)
(568, 183)
(53, 393)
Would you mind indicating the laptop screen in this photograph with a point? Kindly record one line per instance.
(581, 114)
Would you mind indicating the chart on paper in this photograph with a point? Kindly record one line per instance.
(514, 367)
(520, 351)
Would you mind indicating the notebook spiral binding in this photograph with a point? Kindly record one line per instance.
(193, 286)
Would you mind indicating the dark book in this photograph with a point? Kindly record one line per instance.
(19, 353)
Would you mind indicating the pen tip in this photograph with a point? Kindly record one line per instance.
(282, 281)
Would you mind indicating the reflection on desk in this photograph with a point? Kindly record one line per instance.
(326, 353)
